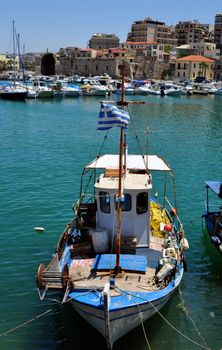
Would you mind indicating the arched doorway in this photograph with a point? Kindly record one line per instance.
(48, 64)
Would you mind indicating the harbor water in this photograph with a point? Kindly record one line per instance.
(44, 146)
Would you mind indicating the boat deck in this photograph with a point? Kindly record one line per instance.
(82, 276)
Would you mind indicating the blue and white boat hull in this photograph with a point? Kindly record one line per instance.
(125, 312)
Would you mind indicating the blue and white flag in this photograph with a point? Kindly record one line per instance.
(110, 116)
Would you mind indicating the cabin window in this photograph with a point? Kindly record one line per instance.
(125, 202)
(142, 203)
(104, 200)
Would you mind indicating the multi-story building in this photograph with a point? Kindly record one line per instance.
(192, 66)
(151, 50)
(218, 69)
(204, 49)
(218, 31)
(149, 30)
(191, 32)
(103, 41)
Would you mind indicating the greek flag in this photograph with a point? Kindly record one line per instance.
(110, 116)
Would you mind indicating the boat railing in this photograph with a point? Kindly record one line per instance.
(172, 211)
(215, 207)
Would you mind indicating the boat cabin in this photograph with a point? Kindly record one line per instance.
(135, 200)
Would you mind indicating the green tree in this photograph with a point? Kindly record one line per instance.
(203, 69)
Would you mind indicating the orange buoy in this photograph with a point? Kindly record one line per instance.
(168, 227)
(173, 211)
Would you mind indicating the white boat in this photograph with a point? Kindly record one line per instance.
(143, 90)
(200, 90)
(187, 90)
(13, 92)
(172, 90)
(155, 90)
(41, 89)
(94, 90)
(71, 91)
(218, 92)
(120, 258)
(128, 89)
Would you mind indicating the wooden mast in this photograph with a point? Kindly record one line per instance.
(119, 209)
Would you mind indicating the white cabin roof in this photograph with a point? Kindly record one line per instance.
(135, 162)
(132, 182)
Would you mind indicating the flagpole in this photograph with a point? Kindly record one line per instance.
(119, 209)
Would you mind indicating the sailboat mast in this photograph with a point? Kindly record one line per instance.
(14, 54)
(119, 209)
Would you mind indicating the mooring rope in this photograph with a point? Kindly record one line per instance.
(26, 322)
(170, 324)
(143, 328)
(59, 303)
(189, 317)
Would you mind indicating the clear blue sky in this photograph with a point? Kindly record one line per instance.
(51, 24)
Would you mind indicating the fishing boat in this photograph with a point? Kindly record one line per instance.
(121, 257)
(213, 215)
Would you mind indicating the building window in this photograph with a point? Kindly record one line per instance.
(193, 75)
(104, 200)
(76, 67)
(85, 67)
(184, 74)
(97, 67)
(125, 202)
(142, 203)
(194, 66)
(184, 66)
(178, 74)
(178, 66)
(107, 68)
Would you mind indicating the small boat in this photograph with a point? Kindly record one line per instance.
(94, 90)
(128, 89)
(41, 89)
(71, 91)
(200, 90)
(218, 92)
(155, 90)
(13, 92)
(172, 90)
(213, 215)
(143, 90)
(120, 258)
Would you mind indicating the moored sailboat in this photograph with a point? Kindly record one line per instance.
(14, 91)
(121, 257)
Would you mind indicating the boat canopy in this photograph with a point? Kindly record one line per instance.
(214, 185)
(134, 162)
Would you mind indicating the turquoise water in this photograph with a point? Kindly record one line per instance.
(44, 145)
